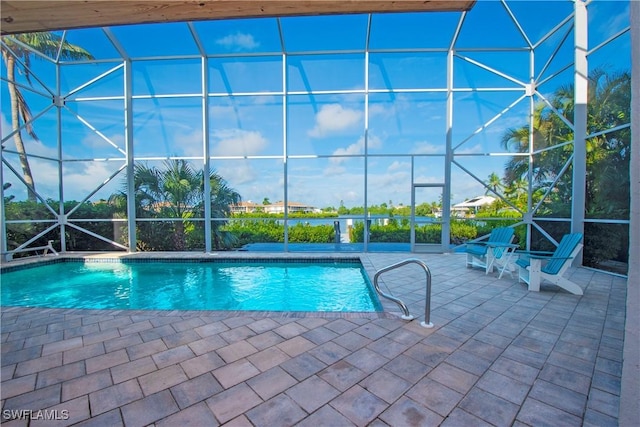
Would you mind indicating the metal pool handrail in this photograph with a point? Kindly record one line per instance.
(407, 316)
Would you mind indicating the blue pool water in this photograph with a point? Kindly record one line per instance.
(192, 286)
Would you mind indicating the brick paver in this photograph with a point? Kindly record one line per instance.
(235, 401)
(498, 355)
(115, 396)
(162, 379)
(271, 382)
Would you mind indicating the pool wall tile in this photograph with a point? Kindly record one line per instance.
(196, 258)
(211, 258)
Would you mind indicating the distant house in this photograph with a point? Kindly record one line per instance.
(245, 207)
(278, 207)
(273, 208)
(471, 205)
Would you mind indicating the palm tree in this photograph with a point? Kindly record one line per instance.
(222, 198)
(177, 191)
(516, 191)
(494, 184)
(608, 159)
(607, 155)
(548, 130)
(12, 52)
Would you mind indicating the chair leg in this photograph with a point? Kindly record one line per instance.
(476, 261)
(490, 260)
(523, 275)
(534, 275)
(567, 285)
(505, 267)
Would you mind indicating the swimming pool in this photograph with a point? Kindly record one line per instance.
(206, 285)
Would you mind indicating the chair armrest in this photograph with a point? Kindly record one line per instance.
(548, 257)
(503, 245)
(539, 253)
(525, 262)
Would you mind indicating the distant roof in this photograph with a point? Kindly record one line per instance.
(291, 204)
(20, 16)
(247, 203)
(476, 202)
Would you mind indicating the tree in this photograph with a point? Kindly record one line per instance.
(177, 191)
(222, 198)
(607, 154)
(608, 163)
(342, 210)
(516, 192)
(494, 184)
(16, 55)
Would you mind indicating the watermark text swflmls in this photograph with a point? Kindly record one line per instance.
(30, 414)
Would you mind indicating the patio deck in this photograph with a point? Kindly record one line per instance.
(498, 355)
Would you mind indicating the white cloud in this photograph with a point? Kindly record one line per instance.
(84, 177)
(424, 147)
(221, 111)
(384, 110)
(353, 149)
(334, 169)
(351, 196)
(470, 149)
(80, 179)
(392, 184)
(346, 187)
(238, 174)
(238, 41)
(399, 166)
(36, 147)
(190, 143)
(334, 118)
(464, 187)
(96, 142)
(374, 142)
(357, 148)
(238, 142)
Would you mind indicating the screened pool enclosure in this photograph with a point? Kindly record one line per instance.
(365, 132)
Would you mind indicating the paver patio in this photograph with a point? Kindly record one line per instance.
(498, 355)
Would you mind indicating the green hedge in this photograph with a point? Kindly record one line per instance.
(400, 232)
(271, 231)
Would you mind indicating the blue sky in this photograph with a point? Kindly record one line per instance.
(406, 111)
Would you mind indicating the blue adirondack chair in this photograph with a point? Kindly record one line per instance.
(495, 250)
(534, 267)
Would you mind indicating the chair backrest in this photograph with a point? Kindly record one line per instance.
(565, 249)
(497, 235)
(501, 235)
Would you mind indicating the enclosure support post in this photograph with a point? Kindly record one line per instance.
(205, 152)
(581, 84)
(446, 192)
(3, 224)
(61, 213)
(128, 121)
(630, 387)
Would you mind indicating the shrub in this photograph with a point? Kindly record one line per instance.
(305, 233)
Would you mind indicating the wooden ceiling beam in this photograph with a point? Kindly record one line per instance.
(25, 16)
